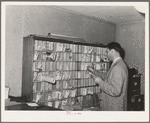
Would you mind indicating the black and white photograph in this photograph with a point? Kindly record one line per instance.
(75, 61)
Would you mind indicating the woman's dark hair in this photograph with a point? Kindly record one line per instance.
(116, 46)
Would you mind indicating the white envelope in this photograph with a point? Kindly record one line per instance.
(50, 97)
(35, 76)
(73, 48)
(34, 87)
(67, 92)
(60, 96)
(40, 44)
(43, 66)
(59, 47)
(42, 86)
(57, 56)
(98, 59)
(88, 58)
(85, 49)
(82, 66)
(39, 65)
(48, 79)
(79, 74)
(73, 93)
(92, 58)
(53, 94)
(64, 102)
(58, 85)
(58, 76)
(36, 55)
(83, 57)
(84, 91)
(65, 84)
(57, 104)
(39, 76)
(90, 92)
(90, 50)
(36, 45)
(50, 104)
(97, 66)
(38, 97)
(66, 75)
(49, 86)
(56, 94)
(51, 45)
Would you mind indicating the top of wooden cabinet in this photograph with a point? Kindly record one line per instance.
(64, 39)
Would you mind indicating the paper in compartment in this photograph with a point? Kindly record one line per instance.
(58, 85)
(73, 93)
(82, 66)
(34, 87)
(49, 87)
(57, 103)
(42, 86)
(83, 57)
(40, 45)
(57, 94)
(35, 76)
(60, 96)
(88, 58)
(46, 86)
(86, 49)
(59, 47)
(65, 84)
(50, 104)
(66, 66)
(70, 56)
(36, 45)
(90, 50)
(59, 56)
(50, 45)
(38, 97)
(90, 92)
(58, 75)
(39, 76)
(65, 102)
(36, 55)
(50, 97)
(97, 66)
(54, 95)
(92, 58)
(98, 58)
(67, 92)
(65, 75)
(79, 74)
